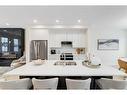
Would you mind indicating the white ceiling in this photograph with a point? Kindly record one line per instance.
(22, 16)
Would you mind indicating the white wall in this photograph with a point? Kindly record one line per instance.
(107, 56)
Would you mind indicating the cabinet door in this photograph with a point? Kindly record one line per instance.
(79, 39)
(75, 39)
(69, 35)
(50, 39)
(57, 38)
(82, 39)
(62, 36)
(66, 35)
(54, 39)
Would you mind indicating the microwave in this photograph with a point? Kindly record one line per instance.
(53, 51)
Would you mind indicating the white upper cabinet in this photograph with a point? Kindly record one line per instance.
(79, 39)
(54, 39)
(69, 35)
(77, 36)
(65, 35)
(62, 35)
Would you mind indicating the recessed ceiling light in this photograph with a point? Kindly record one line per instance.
(34, 21)
(79, 21)
(7, 24)
(57, 21)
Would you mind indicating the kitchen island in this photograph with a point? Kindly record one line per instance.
(51, 69)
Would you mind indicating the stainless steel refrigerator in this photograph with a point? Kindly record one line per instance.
(38, 49)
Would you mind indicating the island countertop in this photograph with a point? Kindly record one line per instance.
(49, 69)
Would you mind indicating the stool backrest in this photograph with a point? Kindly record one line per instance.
(45, 83)
(78, 84)
(105, 83)
(16, 84)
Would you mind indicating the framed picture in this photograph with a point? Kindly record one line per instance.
(108, 44)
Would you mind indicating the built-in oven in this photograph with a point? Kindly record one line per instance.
(66, 56)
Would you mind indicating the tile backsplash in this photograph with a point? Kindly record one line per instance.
(69, 50)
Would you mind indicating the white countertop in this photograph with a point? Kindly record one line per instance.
(48, 69)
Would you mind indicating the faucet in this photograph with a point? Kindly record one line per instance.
(88, 60)
(64, 57)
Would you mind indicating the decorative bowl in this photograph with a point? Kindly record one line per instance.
(38, 62)
(90, 65)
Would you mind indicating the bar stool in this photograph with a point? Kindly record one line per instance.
(45, 83)
(16, 84)
(105, 83)
(78, 84)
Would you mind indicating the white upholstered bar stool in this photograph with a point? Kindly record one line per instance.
(105, 83)
(20, 84)
(78, 84)
(45, 83)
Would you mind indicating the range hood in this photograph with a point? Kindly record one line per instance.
(66, 42)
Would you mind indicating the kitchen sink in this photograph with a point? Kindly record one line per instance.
(65, 63)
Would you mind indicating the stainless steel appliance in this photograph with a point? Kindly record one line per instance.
(38, 49)
(66, 42)
(53, 51)
(66, 56)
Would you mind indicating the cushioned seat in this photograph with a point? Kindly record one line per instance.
(16, 84)
(78, 84)
(105, 83)
(45, 83)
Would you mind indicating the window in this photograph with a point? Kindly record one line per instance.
(4, 42)
(16, 43)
